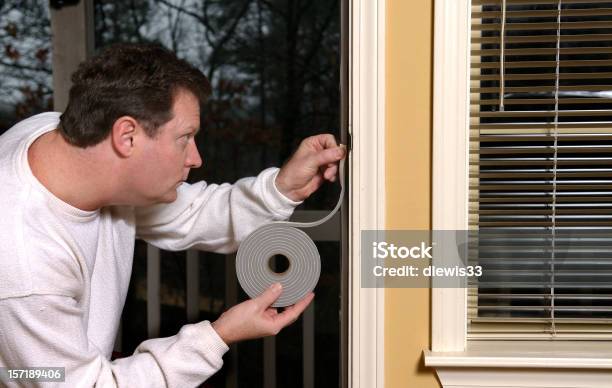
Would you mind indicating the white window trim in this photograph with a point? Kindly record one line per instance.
(460, 363)
(367, 188)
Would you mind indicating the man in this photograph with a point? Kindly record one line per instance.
(78, 189)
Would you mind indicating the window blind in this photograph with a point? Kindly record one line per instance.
(541, 169)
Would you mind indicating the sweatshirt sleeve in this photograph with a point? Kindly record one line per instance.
(47, 331)
(214, 217)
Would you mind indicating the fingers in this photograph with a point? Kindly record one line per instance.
(323, 141)
(292, 313)
(330, 172)
(269, 296)
(329, 155)
(315, 161)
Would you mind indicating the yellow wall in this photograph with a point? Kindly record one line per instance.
(408, 144)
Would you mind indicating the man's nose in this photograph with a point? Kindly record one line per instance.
(193, 156)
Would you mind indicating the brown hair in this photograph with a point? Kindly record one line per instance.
(127, 79)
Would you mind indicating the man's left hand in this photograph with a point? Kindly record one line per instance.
(315, 161)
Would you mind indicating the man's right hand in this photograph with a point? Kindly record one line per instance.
(255, 318)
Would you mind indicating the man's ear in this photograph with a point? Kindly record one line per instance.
(123, 135)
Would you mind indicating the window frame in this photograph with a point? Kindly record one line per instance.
(459, 362)
(72, 41)
(367, 186)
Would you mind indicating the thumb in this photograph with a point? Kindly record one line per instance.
(270, 295)
(329, 155)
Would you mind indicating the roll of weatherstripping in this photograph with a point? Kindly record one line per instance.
(282, 238)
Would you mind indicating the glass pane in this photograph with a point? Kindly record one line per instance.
(543, 196)
(26, 85)
(172, 292)
(134, 319)
(275, 71)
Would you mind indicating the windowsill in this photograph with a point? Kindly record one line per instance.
(526, 354)
(528, 364)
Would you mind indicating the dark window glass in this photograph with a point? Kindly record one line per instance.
(275, 70)
(25, 60)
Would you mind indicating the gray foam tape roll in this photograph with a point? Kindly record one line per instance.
(282, 238)
(255, 275)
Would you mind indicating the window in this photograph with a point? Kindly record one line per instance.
(541, 169)
(522, 130)
(275, 72)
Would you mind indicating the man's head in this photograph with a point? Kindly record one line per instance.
(136, 80)
(137, 107)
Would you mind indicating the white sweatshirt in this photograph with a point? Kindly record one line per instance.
(64, 272)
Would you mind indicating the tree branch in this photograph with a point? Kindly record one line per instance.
(319, 39)
(274, 8)
(229, 32)
(199, 18)
(25, 67)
